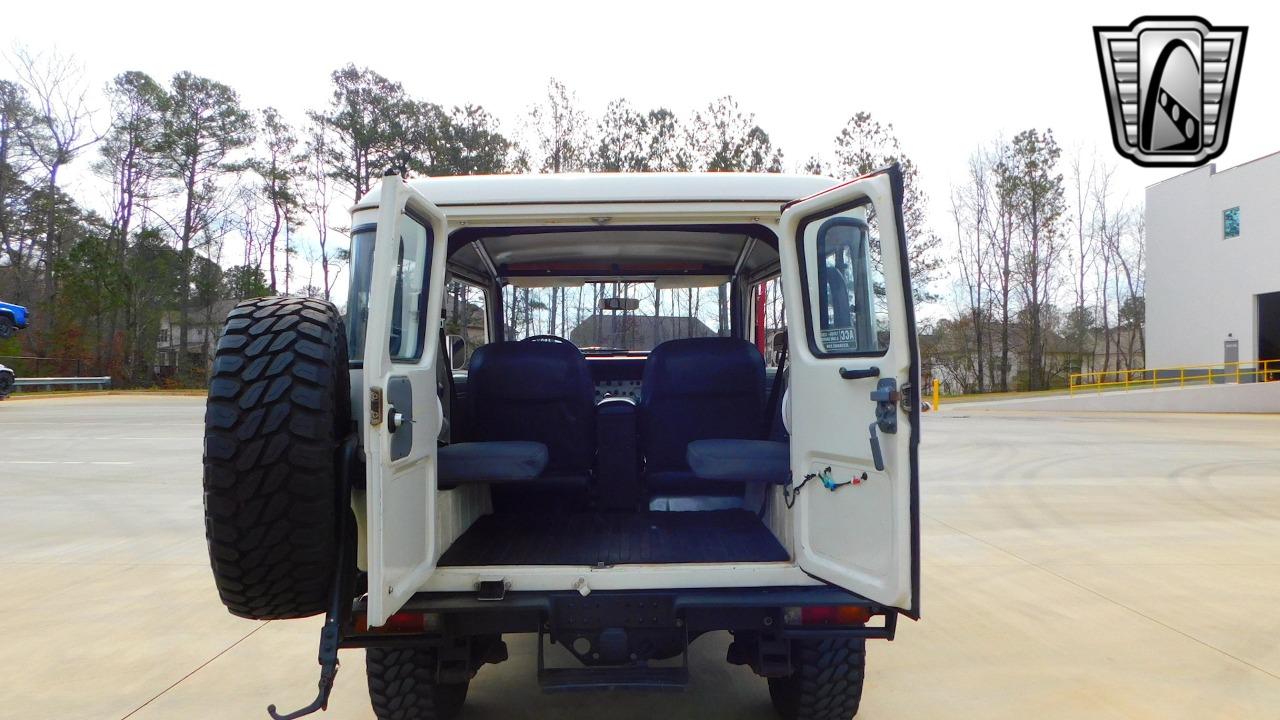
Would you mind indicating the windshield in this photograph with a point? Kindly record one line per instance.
(611, 317)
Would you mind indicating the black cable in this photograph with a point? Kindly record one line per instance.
(789, 495)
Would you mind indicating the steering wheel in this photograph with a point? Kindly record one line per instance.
(547, 338)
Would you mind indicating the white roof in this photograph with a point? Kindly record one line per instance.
(614, 187)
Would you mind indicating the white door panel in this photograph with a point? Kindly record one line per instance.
(400, 383)
(848, 301)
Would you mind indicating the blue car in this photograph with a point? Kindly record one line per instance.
(12, 318)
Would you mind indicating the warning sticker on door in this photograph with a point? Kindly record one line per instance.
(843, 339)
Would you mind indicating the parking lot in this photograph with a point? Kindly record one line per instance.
(1097, 566)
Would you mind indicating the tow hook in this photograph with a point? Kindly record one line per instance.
(328, 672)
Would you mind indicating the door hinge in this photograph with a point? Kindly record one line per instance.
(905, 403)
(375, 406)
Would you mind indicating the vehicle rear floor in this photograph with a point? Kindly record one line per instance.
(592, 538)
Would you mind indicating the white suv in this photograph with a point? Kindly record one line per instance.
(615, 411)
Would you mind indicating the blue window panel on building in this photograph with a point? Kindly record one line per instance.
(1231, 223)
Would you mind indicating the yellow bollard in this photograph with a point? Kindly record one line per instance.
(937, 393)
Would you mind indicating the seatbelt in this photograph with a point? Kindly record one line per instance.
(775, 394)
(442, 357)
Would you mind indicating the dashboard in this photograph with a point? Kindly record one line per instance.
(629, 389)
(616, 376)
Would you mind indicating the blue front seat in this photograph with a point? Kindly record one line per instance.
(697, 389)
(540, 392)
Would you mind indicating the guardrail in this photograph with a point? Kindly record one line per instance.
(48, 383)
(1180, 376)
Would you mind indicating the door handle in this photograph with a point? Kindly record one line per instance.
(859, 373)
(877, 456)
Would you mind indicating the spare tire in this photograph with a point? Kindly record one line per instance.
(279, 406)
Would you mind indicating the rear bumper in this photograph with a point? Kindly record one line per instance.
(697, 611)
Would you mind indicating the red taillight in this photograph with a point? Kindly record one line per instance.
(817, 615)
(406, 622)
(830, 615)
(401, 622)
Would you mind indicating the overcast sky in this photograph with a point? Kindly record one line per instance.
(948, 77)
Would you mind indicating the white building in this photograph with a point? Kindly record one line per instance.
(1213, 265)
(203, 326)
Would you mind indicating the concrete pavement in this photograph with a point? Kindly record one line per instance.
(1100, 566)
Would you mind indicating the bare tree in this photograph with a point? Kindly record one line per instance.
(1038, 197)
(562, 131)
(1131, 311)
(1004, 229)
(275, 167)
(865, 145)
(127, 151)
(204, 126)
(1083, 253)
(316, 196)
(126, 159)
(970, 208)
(724, 138)
(62, 128)
(17, 117)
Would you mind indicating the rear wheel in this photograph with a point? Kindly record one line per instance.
(402, 685)
(7, 327)
(826, 683)
(278, 408)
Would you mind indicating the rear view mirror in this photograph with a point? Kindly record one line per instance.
(456, 347)
(623, 303)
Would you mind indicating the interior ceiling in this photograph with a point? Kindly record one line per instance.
(613, 251)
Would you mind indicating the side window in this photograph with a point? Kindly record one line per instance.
(847, 310)
(466, 314)
(408, 331)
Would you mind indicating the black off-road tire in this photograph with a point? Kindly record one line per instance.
(7, 328)
(402, 686)
(279, 406)
(827, 682)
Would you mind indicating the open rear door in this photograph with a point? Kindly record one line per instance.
(854, 389)
(402, 414)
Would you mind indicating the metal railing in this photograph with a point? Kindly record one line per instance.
(1178, 376)
(48, 383)
(32, 365)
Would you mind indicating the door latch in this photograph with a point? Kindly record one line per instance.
(886, 397)
(375, 406)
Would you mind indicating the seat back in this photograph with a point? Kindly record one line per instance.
(698, 389)
(535, 391)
